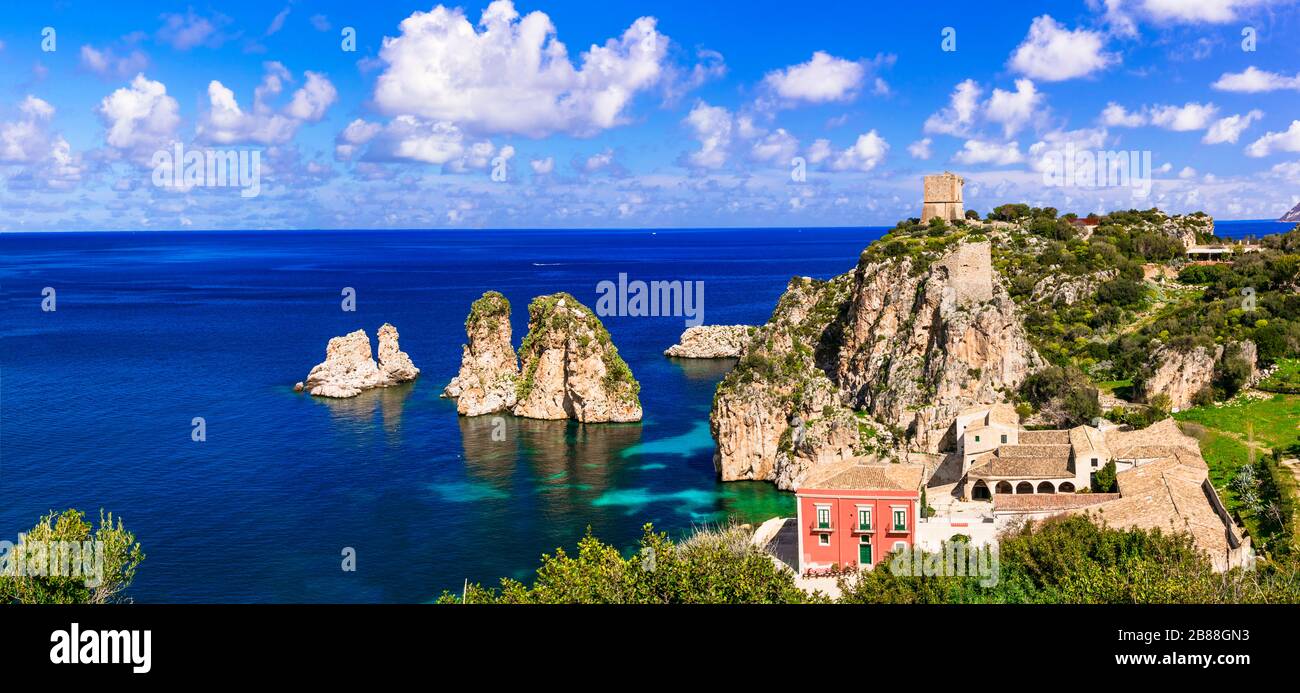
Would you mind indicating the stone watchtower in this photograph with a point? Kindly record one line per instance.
(942, 197)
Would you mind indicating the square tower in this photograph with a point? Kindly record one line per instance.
(942, 197)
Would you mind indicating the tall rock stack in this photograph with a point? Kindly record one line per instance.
(942, 197)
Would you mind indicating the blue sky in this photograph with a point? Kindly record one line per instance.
(637, 114)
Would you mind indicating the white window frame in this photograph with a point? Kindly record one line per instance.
(871, 520)
(900, 546)
(823, 539)
(893, 525)
(817, 512)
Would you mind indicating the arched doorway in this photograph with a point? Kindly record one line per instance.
(980, 491)
(1066, 487)
(1046, 487)
(1024, 487)
(1004, 487)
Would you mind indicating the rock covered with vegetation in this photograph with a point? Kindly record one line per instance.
(711, 342)
(349, 367)
(567, 366)
(489, 370)
(570, 367)
(872, 361)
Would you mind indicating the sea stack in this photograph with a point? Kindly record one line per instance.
(349, 368)
(571, 368)
(711, 342)
(488, 366)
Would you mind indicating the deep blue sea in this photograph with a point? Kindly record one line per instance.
(154, 329)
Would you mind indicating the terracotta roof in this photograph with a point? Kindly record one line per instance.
(858, 474)
(1087, 441)
(1171, 494)
(1000, 413)
(994, 467)
(1046, 502)
(1017, 451)
(1044, 437)
(1157, 440)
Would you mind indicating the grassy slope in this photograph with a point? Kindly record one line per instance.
(1230, 430)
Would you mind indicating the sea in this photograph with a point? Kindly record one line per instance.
(118, 349)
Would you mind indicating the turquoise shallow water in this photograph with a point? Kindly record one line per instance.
(153, 329)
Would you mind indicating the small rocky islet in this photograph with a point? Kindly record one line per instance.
(349, 367)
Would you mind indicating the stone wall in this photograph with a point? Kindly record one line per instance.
(970, 272)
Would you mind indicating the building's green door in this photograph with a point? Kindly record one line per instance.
(864, 554)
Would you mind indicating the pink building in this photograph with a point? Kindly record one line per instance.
(853, 514)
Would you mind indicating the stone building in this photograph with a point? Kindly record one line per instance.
(942, 197)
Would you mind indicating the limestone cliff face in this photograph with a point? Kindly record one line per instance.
(878, 360)
(349, 368)
(570, 367)
(710, 342)
(1293, 215)
(1180, 375)
(919, 349)
(489, 369)
(1067, 290)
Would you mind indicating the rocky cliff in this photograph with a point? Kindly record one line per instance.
(872, 361)
(1293, 215)
(349, 368)
(571, 368)
(710, 342)
(1180, 375)
(489, 369)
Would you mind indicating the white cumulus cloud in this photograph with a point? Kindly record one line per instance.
(822, 79)
(1052, 53)
(1254, 80)
(1285, 141)
(1115, 115)
(975, 152)
(712, 126)
(141, 118)
(868, 151)
(920, 149)
(1190, 116)
(1230, 128)
(511, 74)
(225, 122)
(958, 117)
(1014, 109)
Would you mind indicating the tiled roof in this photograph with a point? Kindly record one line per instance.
(1087, 441)
(1170, 494)
(1157, 440)
(1044, 437)
(1046, 502)
(1010, 451)
(994, 467)
(858, 475)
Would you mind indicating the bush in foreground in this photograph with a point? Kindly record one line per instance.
(1065, 560)
(35, 583)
